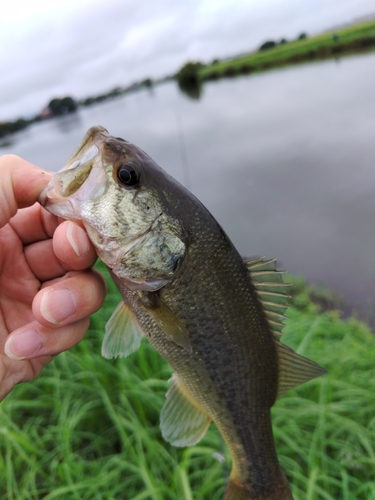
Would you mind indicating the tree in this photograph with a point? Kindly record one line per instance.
(267, 45)
(188, 75)
(147, 83)
(302, 36)
(62, 106)
(7, 128)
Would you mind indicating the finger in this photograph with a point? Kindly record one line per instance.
(69, 300)
(34, 224)
(70, 249)
(42, 260)
(36, 340)
(73, 247)
(21, 184)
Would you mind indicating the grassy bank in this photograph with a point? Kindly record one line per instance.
(88, 428)
(353, 39)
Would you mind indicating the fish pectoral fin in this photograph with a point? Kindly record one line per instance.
(294, 369)
(171, 326)
(182, 422)
(123, 334)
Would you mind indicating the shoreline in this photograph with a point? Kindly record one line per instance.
(353, 40)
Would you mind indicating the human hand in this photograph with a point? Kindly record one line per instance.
(47, 289)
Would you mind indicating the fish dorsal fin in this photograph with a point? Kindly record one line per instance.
(271, 290)
(167, 321)
(123, 334)
(182, 422)
(294, 369)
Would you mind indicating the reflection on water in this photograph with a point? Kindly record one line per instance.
(5, 142)
(285, 161)
(192, 90)
(67, 123)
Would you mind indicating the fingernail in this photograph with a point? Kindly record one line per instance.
(23, 345)
(78, 239)
(57, 305)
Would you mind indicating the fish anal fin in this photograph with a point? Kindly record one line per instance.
(123, 334)
(182, 422)
(294, 369)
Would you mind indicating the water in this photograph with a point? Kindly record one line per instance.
(284, 160)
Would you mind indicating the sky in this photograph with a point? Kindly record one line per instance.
(86, 47)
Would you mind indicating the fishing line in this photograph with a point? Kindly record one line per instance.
(220, 457)
(183, 153)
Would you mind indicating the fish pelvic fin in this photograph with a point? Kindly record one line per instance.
(271, 291)
(294, 369)
(182, 422)
(123, 334)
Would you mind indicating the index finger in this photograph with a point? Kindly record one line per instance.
(21, 183)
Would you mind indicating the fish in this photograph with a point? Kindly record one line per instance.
(215, 317)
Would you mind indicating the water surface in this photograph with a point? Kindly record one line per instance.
(284, 160)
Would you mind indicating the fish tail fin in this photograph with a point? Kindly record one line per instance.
(237, 490)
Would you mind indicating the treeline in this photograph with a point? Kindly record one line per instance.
(56, 107)
(270, 44)
(116, 92)
(7, 128)
(65, 105)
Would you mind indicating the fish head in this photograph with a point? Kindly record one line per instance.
(121, 197)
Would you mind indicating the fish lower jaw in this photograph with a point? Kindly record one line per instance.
(63, 208)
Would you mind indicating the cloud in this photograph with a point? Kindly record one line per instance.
(83, 47)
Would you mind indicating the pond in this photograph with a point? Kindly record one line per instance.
(284, 160)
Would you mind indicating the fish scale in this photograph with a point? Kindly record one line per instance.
(214, 317)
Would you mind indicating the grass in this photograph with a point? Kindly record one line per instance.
(88, 428)
(352, 39)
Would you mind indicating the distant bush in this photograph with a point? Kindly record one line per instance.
(88, 101)
(267, 45)
(230, 71)
(312, 54)
(7, 128)
(268, 64)
(189, 80)
(337, 49)
(302, 36)
(246, 68)
(366, 41)
(212, 75)
(62, 106)
(189, 74)
(283, 41)
(147, 82)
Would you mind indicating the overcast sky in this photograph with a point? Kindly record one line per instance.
(85, 47)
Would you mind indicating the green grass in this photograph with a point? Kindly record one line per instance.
(88, 428)
(351, 39)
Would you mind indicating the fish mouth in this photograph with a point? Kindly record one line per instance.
(71, 181)
(67, 190)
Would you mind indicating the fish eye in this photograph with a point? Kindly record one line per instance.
(128, 175)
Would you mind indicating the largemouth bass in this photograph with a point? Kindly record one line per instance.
(213, 316)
